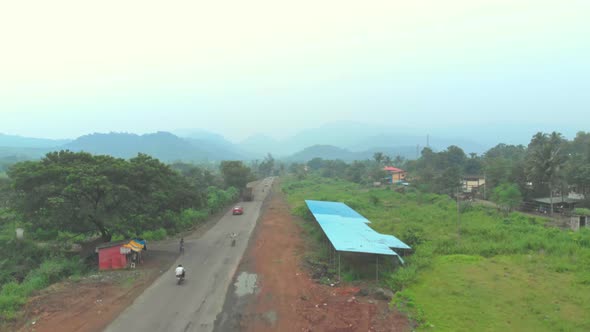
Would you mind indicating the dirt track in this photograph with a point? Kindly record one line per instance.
(285, 298)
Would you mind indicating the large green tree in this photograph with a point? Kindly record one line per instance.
(577, 168)
(83, 193)
(507, 196)
(235, 174)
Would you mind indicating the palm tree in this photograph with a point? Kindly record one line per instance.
(545, 160)
(378, 156)
(387, 161)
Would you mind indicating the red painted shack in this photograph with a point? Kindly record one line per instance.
(112, 255)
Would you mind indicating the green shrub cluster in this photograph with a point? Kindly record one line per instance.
(13, 294)
(156, 235)
(217, 198)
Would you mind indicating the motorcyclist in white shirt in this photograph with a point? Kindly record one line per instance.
(180, 271)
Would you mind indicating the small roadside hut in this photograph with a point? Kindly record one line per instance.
(120, 254)
(560, 204)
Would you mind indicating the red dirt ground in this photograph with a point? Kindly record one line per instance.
(78, 307)
(92, 303)
(289, 300)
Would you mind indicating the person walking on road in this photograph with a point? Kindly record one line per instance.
(182, 245)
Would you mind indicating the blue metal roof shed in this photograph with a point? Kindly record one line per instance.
(348, 231)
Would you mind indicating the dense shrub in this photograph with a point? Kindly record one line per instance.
(13, 295)
(156, 235)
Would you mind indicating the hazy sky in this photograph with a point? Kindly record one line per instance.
(238, 67)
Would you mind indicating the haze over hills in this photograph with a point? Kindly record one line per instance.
(259, 145)
(340, 140)
(358, 137)
(323, 151)
(162, 145)
(334, 152)
(15, 141)
(214, 145)
(21, 148)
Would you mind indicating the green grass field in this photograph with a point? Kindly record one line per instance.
(498, 273)
(503, 293)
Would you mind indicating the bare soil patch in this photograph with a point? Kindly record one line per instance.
(91, 303)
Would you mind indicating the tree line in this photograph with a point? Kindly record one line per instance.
(87, 194)
(549, 165)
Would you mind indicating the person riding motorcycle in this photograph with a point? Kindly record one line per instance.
(180, 272)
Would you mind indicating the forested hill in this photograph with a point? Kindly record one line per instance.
(162, 145)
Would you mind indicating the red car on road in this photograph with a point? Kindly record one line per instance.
(238, 210)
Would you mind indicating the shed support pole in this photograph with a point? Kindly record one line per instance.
(377, 269)
(338, 266)
(333, 260)
(331, 255)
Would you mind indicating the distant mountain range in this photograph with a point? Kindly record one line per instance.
(162, 145)
(341, 140)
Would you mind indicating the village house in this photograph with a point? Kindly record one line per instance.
(394, 174)
(473, 184)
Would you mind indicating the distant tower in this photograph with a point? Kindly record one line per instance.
(417, 151)
(427, 141)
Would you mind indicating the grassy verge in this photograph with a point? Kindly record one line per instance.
(503, 293)
(489, 272)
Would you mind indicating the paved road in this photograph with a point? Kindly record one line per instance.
(210, 262)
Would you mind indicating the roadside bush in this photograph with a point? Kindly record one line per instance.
(156, 235)
(191, 217)
(413, 236)
(218, 198)
(303, 212)
(403, 277)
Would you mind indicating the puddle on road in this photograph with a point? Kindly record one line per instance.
(246, 284)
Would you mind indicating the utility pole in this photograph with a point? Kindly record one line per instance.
(458, 216)
(484, 185)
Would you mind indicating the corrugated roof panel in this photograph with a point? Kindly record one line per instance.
(334, 208)
(327, 217)
(347, 230)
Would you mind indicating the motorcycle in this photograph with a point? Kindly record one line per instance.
(179, 279)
